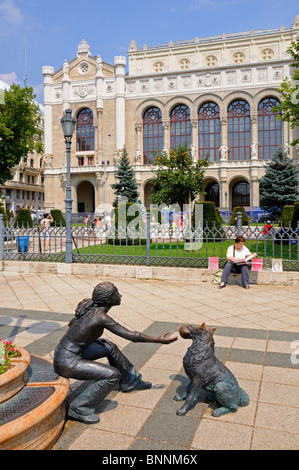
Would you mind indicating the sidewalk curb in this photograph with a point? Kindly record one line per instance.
(285, 278)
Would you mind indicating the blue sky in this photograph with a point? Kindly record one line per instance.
(55, 28)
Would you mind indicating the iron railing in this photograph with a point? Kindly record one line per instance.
(156, 245)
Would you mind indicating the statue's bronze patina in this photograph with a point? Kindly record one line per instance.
(208, 374)
(82, 344)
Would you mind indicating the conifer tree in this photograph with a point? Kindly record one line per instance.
(126, 185)
(279, 185)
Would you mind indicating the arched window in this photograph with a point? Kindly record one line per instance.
(180, 126)
(212, 193)
(152, 134)
(209, 132)
(269, 128)
(241, 194)
(85, 130)
(238, 115)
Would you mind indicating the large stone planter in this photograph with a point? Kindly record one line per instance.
(32, 414)
(14, 379)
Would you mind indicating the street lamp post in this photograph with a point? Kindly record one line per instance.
(105, 183)
(68, 124)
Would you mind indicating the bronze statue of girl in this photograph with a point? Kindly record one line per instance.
(82, 344)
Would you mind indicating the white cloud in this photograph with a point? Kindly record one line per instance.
(11, 13)
(9, 78)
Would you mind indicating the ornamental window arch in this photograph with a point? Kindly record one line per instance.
(269, 128)
(85, 130)
(180, 125)
(238, 130)
(209, 131)
(152, 133)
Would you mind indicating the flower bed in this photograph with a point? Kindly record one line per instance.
(7, 352)
(14, 370)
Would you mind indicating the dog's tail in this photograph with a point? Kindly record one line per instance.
(243, 398)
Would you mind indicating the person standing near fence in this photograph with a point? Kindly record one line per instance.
(45, 225)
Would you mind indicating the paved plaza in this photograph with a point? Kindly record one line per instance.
(257, 337)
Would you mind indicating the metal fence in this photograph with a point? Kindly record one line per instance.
(156, 244)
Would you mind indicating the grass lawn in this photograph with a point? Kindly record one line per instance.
(264, 249)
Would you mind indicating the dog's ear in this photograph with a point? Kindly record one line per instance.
(212, 331)
(202, 326)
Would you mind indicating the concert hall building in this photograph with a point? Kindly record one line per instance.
(215, 93)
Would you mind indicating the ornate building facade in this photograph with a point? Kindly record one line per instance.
(214, 93)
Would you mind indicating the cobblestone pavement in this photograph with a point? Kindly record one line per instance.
(257, 337)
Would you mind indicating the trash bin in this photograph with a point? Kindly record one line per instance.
(23, 244)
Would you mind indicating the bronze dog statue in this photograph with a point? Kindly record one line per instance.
(208, 374)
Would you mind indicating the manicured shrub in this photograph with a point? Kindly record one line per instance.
(58, 218)
(237, 209)
(212, 221)
(2, 211)
(287, 215)
(295, 218)
(23, 219)
(119, 233)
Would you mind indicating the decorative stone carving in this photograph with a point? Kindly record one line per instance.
(83, 90)
(110, 87)
(99, 176)
(131, 87)
(253, 148)
(132, 46)
(223, 152)
(83, 48)
(138, 156)
(277, 73)
(48, 161)
(144, 86)
(172, 83)
(186, 82)
(158, 85)
(286, 148)
(246, 76)
(62, 178)
(65, 70)
(116, 156)
(193, 153)
(262, 75)
(231, 78)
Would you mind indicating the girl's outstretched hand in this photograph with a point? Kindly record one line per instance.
(164, 340)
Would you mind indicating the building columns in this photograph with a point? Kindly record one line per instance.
(120, 65)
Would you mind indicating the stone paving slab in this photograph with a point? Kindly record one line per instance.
(256, 334)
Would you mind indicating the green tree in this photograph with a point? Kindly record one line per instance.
(289, 105)
(19, 132)
(279, 185)
(177, 179)
(126, 187)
